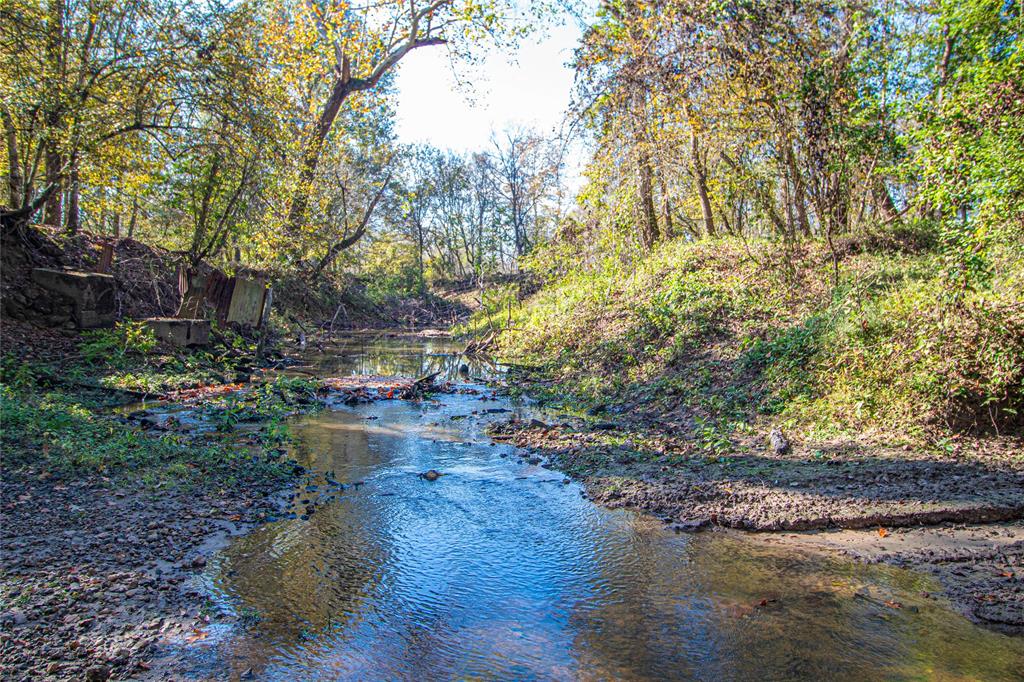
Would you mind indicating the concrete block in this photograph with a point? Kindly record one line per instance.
(180, 332)
(92, 294)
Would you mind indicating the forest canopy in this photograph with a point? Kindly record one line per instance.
(262, 131)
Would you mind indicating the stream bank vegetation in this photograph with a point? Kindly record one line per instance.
(810, 215)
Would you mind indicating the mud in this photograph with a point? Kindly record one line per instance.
(96, 575)
(980, 567)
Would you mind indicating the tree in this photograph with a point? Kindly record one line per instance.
(338, 50)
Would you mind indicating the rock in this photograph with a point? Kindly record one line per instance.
(15, 616)
(431, 475)
(537, 424)
(691, 525)
(97, 673)
(779, 442)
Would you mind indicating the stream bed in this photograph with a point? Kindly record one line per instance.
(501, 569)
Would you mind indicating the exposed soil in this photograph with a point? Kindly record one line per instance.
(823, 486)
(94, 573)
(980, 567)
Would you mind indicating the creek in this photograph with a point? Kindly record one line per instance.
(502, 569)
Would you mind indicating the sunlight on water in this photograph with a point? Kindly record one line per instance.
(500, 570)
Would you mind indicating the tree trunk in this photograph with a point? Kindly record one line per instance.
(883, 201)
(15, 180)
(54, 212)
(700, 177)
(313, 150)
(799, 192)
(666, 208)
(648, 216)
(132, 220)
(74, 217)
(344, 85)
(419, 256)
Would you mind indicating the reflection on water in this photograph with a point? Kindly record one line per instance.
(402, 356)
(499, 570)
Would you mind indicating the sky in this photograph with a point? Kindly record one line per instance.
(531, 87)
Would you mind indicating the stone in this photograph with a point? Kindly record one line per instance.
(97, 673)
(93, 295)
(180, 332)
(779, 442)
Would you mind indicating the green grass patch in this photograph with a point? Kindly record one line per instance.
(67, 434)
(741, 333)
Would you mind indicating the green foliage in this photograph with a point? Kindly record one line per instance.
(60, 432)
(970, 138)
(268, 404)
(783, 360)
(114, 347)
(390, 268)
(712, 328)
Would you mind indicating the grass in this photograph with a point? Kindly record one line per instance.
(71, 435)
(51, 421)
(737, 334)
(128, 357)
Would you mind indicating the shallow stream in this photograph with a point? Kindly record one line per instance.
(500, 569)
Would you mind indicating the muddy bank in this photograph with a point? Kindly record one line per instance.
(828, 486)
(979, 566)
(96, 573)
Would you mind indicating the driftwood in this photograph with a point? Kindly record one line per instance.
(480, 345)
(426, 380)
(420, 387)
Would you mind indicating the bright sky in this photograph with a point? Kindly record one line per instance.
(529, 88)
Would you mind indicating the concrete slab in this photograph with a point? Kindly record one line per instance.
(247, 301)
(92, 294)
(180, 332)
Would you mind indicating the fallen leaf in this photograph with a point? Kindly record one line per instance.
(882, 533)
(893, 604)
(196, 636)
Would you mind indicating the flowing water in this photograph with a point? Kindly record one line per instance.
(502, 570)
